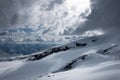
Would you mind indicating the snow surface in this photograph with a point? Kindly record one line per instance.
(93, 58)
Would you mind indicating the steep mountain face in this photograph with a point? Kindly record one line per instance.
(92, 58)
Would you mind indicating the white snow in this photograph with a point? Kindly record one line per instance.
(95, 66)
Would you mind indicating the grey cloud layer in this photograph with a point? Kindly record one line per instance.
(12, 14)
(9, 11)
(105, 15)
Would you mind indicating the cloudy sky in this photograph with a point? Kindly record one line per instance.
(61, 17)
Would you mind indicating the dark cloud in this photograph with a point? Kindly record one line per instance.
(3, 33)
(53, 3)
(10, 15)
(14, 19)
(105, 15)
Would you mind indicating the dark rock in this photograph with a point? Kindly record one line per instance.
(65, 48)
(106, 51)
(70, 65)
(81, 44)
(94, 40)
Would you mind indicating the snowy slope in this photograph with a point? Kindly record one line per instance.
(93, 58)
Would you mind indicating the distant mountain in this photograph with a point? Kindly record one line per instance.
(13, 49)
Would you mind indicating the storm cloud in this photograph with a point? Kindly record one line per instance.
(61, 17)
(105, 16)
(51, 17)
(17, 12)
(10, 12)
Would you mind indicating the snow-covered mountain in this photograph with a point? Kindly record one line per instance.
(92, 58)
